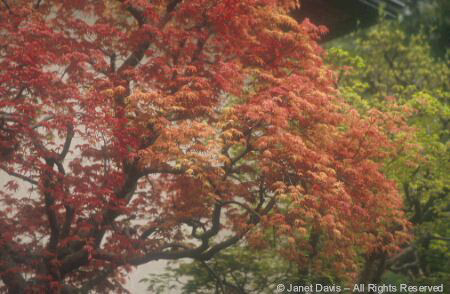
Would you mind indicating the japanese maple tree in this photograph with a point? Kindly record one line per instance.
(132, 131)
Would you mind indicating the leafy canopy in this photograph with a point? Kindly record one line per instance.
(386, 68)
(133, 131)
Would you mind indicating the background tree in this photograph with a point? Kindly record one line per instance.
(236, 269)
(432, 17)
(390, 62)
(239, 269)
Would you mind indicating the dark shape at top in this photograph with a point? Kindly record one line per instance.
(343, 16)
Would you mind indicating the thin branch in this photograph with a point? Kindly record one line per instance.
(19, 176)
(222, 245)
(37, 125)
(246, 207)
(162, 170)
(247, 150)
(147, 233)
(439, 238)
(213, 274)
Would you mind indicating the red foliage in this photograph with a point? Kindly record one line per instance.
(144, 130)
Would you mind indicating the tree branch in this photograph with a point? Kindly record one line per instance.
(125, 193)
(215, 227)
(68, 141)
(37, 125)
(147, 233)
(244, 206)
(138, 54)
(74, 261)
(52, 220)
(70, 214)
(203, 251)
(220, 246)
(19, 176)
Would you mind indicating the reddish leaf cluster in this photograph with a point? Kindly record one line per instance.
(141, 131)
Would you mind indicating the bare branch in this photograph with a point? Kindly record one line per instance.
(213, 275)
(19, 176)
(162, 170)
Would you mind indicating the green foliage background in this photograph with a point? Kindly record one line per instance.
(386, 61)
